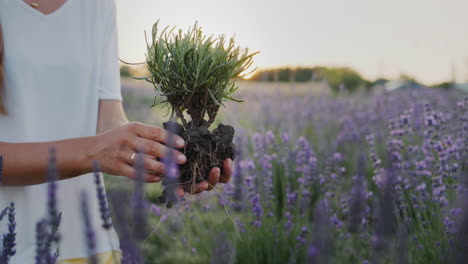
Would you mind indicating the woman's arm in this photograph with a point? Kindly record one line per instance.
(26, 163)
(112, 147)
(115, 142)
(111, 115)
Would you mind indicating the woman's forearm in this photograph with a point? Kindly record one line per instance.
(27, 163)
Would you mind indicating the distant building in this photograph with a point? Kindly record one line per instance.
(402, 84)
(462, 86)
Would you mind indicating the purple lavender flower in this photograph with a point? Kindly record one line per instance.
(43, 255)
(9, 239)
(3, 213)
(460, 248)
(171, 178)
(52, 236)
(358, 196)
(336, 221)
(54, 217)
(1, 168)
(224, 252)
(385, 219)
(337, 156)
(89, 235)
(237, 195)
(289, 221)
(320, 247)
(52, 177)
(301, 238)
(47, 229)
(156, 210)
(402, 246)
(312, 252)
(139, 204)
(291, 199)
(103, 205)
(257, 210)
(123, 219)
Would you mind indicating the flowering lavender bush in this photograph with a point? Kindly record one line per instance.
(368, 178)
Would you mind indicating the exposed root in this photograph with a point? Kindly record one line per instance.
(204, 150)
(157, 225)
(227, 212)
(131, 63)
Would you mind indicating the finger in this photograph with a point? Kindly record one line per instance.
(180, 191)
(154, 166)
(130, 172)
(197, 188)
(213, 178)
(157, 134)
(157, 149)
(227, 171)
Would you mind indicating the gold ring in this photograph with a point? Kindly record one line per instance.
(133, 157)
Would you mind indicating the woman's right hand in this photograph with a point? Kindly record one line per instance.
(113, 150)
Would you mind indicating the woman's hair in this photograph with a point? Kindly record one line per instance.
(3, 110)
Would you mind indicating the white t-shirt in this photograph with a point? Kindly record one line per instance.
(57, 67)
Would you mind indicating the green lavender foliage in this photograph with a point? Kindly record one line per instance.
(185, 64)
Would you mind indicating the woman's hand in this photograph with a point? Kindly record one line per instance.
(214, 177)
(113, 150)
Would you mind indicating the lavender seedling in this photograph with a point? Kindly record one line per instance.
(194, 74)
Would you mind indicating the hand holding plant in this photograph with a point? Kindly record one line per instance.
(193, 76)
(114, 149)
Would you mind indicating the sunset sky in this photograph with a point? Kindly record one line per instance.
(427, 39)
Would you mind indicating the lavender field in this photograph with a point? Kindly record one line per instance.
(319, 178)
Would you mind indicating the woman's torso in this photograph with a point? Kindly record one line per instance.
(51, 66)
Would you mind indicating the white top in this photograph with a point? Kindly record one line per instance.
(57, 67)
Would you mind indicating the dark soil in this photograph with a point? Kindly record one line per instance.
(204, 150)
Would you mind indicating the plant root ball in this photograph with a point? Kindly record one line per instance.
(204, 150)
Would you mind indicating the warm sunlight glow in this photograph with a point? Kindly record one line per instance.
(427, 41)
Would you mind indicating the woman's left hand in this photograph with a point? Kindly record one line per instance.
(214, 177)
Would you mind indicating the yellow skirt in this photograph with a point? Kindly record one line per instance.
(102, 258)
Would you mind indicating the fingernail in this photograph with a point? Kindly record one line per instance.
(181, 192)
(180, 142)
(181, 158)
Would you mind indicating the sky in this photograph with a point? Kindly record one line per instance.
(427, 39)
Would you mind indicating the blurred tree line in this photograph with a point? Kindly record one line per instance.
(125, 71)
(338, 78)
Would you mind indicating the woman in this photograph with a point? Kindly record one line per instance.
(60, 86)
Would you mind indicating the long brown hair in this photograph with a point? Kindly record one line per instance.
(3, 110)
